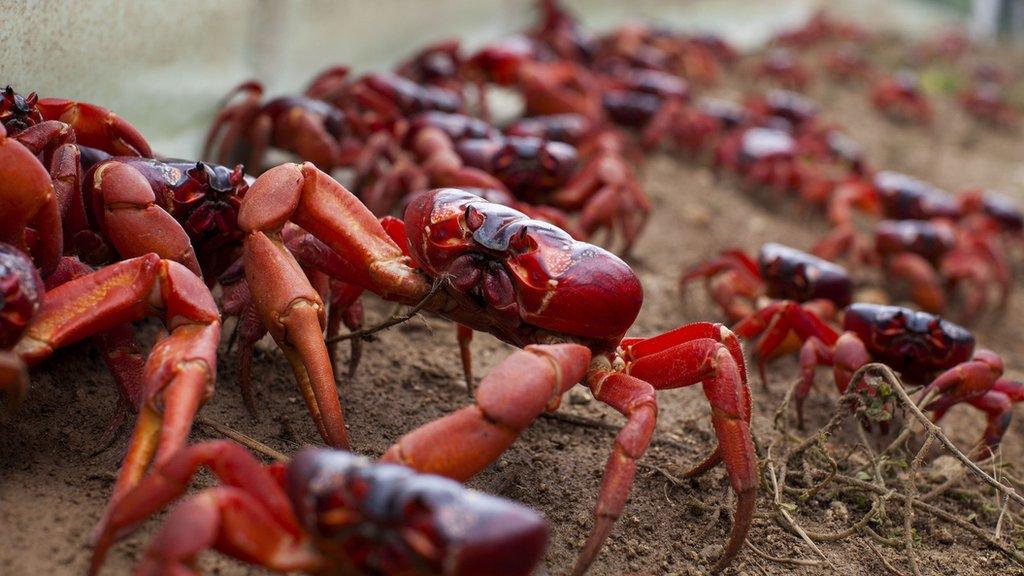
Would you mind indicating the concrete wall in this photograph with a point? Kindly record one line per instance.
(165, 65)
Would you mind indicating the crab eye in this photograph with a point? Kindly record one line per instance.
(474, 218)
(522, 242)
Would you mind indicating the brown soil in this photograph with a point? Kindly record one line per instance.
(53, 487)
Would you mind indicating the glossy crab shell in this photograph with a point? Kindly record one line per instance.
(795, 108)
(569, 128)
(527, 165)
(456, 126)
(907, 198)
(922, 237)
(916, 344)
(386, 519)
(531, 275)
(791, 274)
(21, 292)
(761, 143)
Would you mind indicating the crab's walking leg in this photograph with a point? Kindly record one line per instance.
(346, 308)
(997, 405)
(181, 368)
(251, 507)
(288, 305)
(965, 381)
(464, 334)
(923, 279)
(121, 352)
(634, 399)
(508, 399)
(708, 353)
(234, 121)
(846, 355)
(733, 281)
(776, 321)
(13, 383)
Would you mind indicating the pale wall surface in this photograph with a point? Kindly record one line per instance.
(166, 65)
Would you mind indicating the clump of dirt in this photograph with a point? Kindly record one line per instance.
(56, 476)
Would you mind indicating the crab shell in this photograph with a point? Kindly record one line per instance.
(917, 344)
(794, 275)
(386, 519)
(529, 274)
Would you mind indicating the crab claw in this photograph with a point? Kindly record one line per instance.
(97, 127)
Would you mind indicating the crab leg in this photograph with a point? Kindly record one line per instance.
(925, 286)
(251, 493)
(181, 368)
(997, 405)
(733, 280)
(97, 127)
(54, 141)
(846, 355)
(966, 381)
(634, 399)
(120, 350)
(776, 321)
(288, 305)
(508, 400)
(236, 117)
(708, 353)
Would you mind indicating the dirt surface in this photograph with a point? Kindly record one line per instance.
(54, 484)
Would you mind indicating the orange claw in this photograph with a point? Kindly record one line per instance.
(288, 305)
(28, 202)
(181, 369)
(97, 127)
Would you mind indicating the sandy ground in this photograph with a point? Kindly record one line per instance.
(53, 484)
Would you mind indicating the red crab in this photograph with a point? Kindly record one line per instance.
(782, 289)
(782, 67)
(37, 121)
(739, 284)
(324, 512)
(901, 98)
(312, 129)
(847, 64)
(55, 130)
(783, 109)
(986, 103)
(548, 86)
(924, 348)
(761, 158)
(694, 129)
(180, 371)
(892, 195)
(181, 210)
(490, 268)
(559, 30)
(933, 257)
(440, 64)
